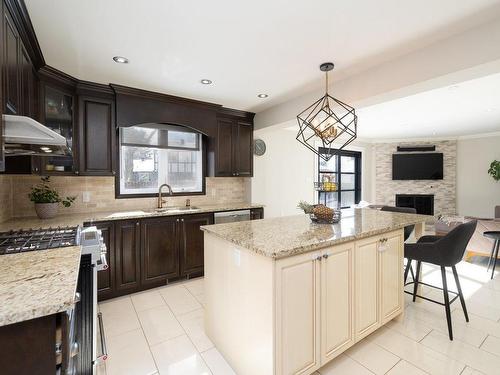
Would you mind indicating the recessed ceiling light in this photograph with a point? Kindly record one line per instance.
(206, 81)
(120, 60)
(262, 96)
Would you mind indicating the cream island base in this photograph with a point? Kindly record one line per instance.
(285, 296)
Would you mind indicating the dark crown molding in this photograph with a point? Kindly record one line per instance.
(236, 113)
(125, 90)
(19, 13)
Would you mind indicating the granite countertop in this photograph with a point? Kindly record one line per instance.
(37, 283)
(80, 218)
(291, 235)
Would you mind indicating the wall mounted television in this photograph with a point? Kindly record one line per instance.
(417, 166)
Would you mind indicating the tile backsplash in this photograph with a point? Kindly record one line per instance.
(5, 197)
(14, 192)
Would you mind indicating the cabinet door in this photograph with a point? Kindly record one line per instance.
(297, 314)
(97, 136)
(224, 151)
(28, 96)
(191, 243)
(337, 326)
(127, 256)
(11, 65)
(160, 250)
(243, 153)
(106, 279)
(57, 110)
(366, 287)
(391, 275)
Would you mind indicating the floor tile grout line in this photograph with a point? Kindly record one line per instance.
(145, 337)
(186, 334)
(359, 363)
(400, 360)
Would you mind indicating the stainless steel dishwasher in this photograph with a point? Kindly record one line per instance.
(231, 216)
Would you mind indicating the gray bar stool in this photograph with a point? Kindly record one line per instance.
(495, 236)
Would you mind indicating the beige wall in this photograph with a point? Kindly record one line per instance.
(102, 194)
(477, 191)
(285, 174)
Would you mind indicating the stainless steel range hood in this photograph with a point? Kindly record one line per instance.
(25, 136)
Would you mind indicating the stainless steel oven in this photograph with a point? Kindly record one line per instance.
(89, 326)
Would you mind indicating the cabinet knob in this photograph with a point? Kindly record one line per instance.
(319, 258)
(76, 172)
(113, 173)
(182, 220)
(137, 224)
(326, 256)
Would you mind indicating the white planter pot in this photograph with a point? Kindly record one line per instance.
(46, 210)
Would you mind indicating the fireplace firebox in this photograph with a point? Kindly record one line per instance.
(423, 203)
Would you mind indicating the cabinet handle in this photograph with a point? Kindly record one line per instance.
(326, 256)
(319, 258)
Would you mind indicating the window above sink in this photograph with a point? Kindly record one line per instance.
(154, 154)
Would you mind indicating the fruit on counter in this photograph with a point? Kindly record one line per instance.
(322, 212)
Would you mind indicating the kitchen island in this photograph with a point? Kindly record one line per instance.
(286, 296)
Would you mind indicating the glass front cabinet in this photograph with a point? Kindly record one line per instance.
(58, 114)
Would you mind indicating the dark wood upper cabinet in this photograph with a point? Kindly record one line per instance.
(234, 148)
(159, 250)
(106, 278)
(127, 256)
(96, 139)
(243, 149)
(191, 243)
(11, 65)
(224, 150)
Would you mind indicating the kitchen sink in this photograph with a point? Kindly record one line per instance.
(177, 209)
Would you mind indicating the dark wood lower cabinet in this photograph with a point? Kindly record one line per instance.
(127, 256)
(256, 213)
(150, 252)
(28, 347)
(159, 250)
(191, 243)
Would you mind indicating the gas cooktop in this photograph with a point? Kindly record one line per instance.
(18, 241)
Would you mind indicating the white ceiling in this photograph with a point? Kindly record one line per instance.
(246, 48)
(472, 107)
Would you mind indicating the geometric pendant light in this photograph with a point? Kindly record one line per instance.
(328, 122)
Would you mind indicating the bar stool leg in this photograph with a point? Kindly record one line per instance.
(407, 269)
(415, 284)
(447, 302)
(492, 254)
(497, 242)
(460, 294)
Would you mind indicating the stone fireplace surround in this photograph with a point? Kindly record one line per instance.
(444, 190)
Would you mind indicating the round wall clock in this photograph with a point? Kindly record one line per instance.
(259, 147)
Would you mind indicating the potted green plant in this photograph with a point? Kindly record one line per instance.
(47, 199)
(494, 170)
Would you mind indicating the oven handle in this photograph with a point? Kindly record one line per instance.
(103, 266)
(104, 354)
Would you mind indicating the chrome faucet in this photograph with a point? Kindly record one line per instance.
(160, 200)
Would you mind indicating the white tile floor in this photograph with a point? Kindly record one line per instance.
(161, 332)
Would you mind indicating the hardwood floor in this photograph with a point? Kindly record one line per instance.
(160, 331)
